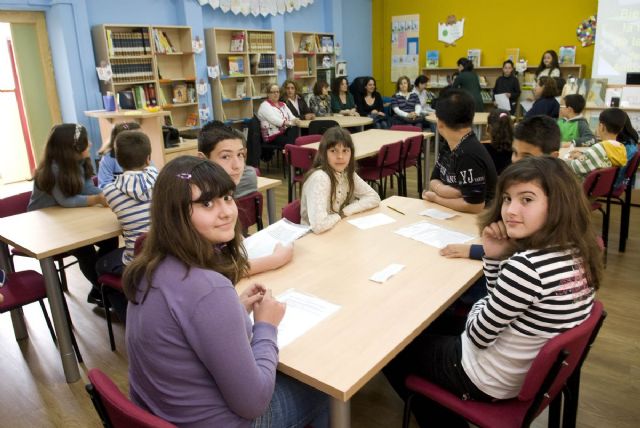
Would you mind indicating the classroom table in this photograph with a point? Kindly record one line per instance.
(375, 321)
(268, 185)
(344, 121)
(43, 234)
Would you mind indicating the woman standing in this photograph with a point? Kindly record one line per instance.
(468, 80)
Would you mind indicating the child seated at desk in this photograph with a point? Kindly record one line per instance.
(224, 146)
(573, 126)
(195, 356)
(65, 178)
(464, 176)
(332, 189)
(109, 168)
(500, 131)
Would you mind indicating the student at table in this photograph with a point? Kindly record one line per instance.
(464, 176)
(500, 132)
(195, 357)
(370, 104)
(341, 99)
(332, 189)
(65, 178)
(545, 94)
(109, 168)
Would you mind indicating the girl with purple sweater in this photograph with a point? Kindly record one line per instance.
(195, 357)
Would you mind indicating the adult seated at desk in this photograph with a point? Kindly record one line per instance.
(320, 101)
(405, 104)
(277, 123)
(370, 104)
(464, 176)
(341, 99)
(295, 102)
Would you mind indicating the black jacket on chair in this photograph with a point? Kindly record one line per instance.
(254, 142)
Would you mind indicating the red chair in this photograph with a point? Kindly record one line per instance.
(250, 210)
(548, 376)
(308, 139)
(386, 166)
(599, 184)
(17, 204)
(291, 212)
(411, 156)
(409, 128)
(25, 287)
(300, 160)
(115, 409)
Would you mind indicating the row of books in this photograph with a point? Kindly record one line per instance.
(566, 56)
(129, 43)
(162, 42)
(138, 97)
(261, 42)
(131, 70)
(183, 93)
(263, 64)
(241, 89)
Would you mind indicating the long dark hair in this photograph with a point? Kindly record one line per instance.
(173, 234)
(565, 229)
(501, 129)
(65, 144)
(331, 138)
(554, 62)
(628, 135)
(117, 129)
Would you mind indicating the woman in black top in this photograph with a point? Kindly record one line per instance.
(545, 92)
(370, 104)
(508, 84)
(295, 102)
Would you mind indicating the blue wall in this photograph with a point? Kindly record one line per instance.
(69, 25)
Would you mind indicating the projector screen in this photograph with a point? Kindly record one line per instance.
(617, 48)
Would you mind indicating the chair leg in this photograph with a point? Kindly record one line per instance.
(48, 320)
(107, 313)
(407, 411)
(554, 412)
(625, 208)
(571, 395)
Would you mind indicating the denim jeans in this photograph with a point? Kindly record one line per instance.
(294, 405)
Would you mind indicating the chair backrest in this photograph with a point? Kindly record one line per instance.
(321, 125)
(16, 204)
(250, 210)
(409, 128)
(299, 156)
(137, 246)
(308, 139)
(562, 355)
(291, 212)
(412, 148)
(632, 167)
(599, 183)
(254, 142)
(116, 410)
(389, 155)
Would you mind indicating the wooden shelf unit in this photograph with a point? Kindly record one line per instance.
(313, 56)
(168, 72)
(247, 65)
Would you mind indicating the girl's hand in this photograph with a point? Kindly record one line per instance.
(269, 310)
(453, 251)
(98, 199)
(252, 295)
(309, 116)
(497, 244)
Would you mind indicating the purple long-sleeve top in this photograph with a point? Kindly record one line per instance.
(195, 359)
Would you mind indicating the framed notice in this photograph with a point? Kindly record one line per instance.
(405, 31)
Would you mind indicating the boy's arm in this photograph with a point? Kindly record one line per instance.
(458, 204)
(444, 190)
(585, 136)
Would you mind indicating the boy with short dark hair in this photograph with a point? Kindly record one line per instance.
(535, 136)
(464, 176)
(573, 126)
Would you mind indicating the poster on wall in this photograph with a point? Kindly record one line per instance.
(404, 46)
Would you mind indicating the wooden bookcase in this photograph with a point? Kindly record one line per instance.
(313, 56)
(156, 61)
(246, 60)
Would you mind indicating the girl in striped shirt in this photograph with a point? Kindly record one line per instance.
(542, 265)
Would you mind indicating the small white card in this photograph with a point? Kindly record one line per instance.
(370, 221)
(213, 72)
(437, 214)
(386, 273)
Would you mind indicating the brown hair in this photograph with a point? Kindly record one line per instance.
(283, 88)
(319, 86)
(500, 128)
(64, 145)
(331, 138)
(117, 129)
(549, 87)
(172, 233)
(400, 79)
(133, 149)
(564, 229)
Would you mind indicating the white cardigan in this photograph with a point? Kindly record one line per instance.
(273, 119)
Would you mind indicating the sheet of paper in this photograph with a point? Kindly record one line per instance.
(262, 243)
(503, 102)
(386, 273)
(259, 245)
(304, 311)
(370, 221)
(526, 104)
(437, 214)
(433, 235)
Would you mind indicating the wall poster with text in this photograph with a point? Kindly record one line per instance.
(404, 46)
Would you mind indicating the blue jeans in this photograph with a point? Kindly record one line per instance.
(294, 405)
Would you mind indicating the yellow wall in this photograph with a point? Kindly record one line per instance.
(490, 25)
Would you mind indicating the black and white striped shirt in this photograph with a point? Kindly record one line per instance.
(533, 296)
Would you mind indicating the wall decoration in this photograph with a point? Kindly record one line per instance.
(586, 31)
(404, 46)
(197, 45)
(257, 7)
(450, 31)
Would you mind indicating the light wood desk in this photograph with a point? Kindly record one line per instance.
(344, 121)
(43, 234)
(268, 185)
(375, 321)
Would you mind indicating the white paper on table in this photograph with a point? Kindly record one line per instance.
(526, 104)
(283, 232)
(386, 273)
(304, 311)
(503, 102)
(433, 235)
(370, 221)
(437, 214)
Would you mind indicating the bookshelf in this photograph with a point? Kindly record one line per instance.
(313, 56)
(155, 63)
(246, 60)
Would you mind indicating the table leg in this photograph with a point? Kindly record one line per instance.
(17, 316)
(54, 294)
(340, 412)
(478, 131)
(271, 205)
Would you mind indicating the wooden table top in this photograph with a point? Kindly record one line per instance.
(478, 118)
(50, 231)
(375, 321)
(368, 142)
(343, 121)
(135, 114)
(265, 183)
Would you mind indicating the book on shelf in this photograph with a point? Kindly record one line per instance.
(263, 63)
(191, 94)
(486, 96)
(237, 42)
(150, 92)
(326, 44)
(306, 43)
(192, 119)
(236, 65)
(162, 42)
(567, 55)
(261, 41)
(302, 66)
(179, 93)
(513, 54)
(139, 97)
(433, 59)
(483, 81)
(129, 43)
(474, 56)
(341, 68)
(126, 100)
(131, 70)
(241, 88)
(443, 80)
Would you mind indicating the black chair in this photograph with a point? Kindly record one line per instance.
(254, 142)
(319, 126)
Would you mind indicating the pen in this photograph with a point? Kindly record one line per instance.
(398, 211)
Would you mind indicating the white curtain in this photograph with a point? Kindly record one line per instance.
(257, 7)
